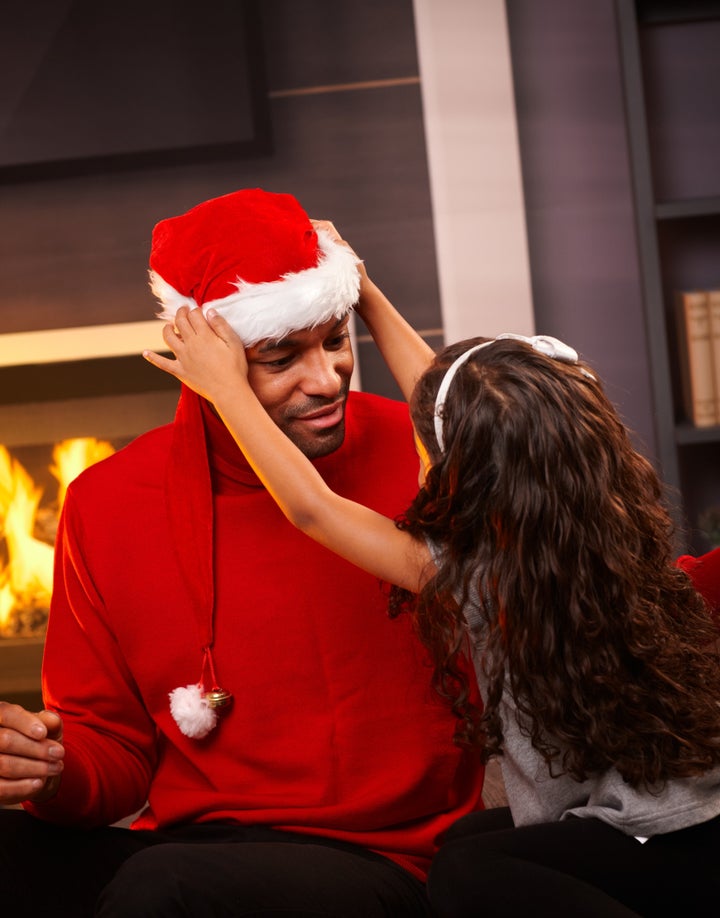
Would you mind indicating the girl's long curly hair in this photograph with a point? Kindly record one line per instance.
(544, 511)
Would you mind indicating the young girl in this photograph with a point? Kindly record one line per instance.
(538, 540)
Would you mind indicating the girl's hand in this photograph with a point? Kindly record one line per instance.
(331, 230)
(403, 349)
(209, 355)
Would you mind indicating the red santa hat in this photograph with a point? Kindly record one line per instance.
(255, 257)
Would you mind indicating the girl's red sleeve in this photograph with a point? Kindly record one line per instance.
(705, 573)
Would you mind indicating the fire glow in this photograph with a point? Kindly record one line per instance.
(27, 533)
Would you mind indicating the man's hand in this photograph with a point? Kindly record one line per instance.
(31, 754)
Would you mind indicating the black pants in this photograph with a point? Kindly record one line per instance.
(578, 868)
(195, 871)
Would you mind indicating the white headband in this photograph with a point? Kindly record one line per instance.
(545, 344)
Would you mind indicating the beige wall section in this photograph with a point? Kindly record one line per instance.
(474, 163)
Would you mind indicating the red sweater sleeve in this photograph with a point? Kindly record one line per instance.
(705, 573)
(109, 741)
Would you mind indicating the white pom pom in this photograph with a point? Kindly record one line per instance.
(191, 712)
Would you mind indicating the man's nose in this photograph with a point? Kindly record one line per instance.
(323, 374)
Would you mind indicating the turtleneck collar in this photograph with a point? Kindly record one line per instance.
(228, 465)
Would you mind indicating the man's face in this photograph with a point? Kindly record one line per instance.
(302, 381)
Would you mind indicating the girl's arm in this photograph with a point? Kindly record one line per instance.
(402, 349)
(210, 358)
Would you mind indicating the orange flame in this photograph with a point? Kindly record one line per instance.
(70, 457)
(26, 577)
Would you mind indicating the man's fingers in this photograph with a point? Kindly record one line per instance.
(12, 792)
(31, 753)
(22, 721)
(17, 748)
(53, 724)
(22, 768)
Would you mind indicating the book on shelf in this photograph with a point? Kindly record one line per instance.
(714, 313)
(698, 329)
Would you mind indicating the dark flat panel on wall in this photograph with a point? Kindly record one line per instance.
(323, 42)
(88, 84)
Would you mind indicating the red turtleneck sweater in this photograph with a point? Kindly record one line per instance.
(334, 728)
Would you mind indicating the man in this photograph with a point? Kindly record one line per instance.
(206, 658)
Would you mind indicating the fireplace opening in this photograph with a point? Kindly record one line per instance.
(51, 390)
(33, 483)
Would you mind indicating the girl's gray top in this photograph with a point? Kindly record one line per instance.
(534, 796)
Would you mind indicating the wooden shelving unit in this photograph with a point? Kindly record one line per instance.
(670, 54)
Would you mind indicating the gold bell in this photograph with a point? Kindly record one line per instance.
(217, 698)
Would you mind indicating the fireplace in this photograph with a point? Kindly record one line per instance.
(57, 417)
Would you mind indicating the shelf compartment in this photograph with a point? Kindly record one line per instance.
(693, 207)
(682, 100)
(687, 434)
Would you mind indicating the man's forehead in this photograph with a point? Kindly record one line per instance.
(302, 336)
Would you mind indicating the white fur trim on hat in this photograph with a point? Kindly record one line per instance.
(276, 308)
